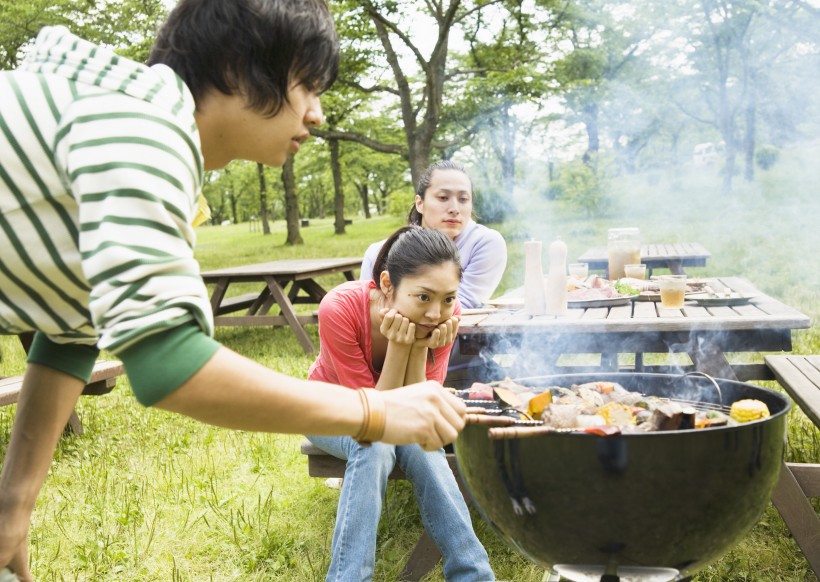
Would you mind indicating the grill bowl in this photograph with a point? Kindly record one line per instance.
(677, 499)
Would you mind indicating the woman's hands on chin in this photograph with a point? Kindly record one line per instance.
(443, 335)
(397, 328)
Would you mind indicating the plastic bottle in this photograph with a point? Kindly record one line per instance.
(556, 303)
(534, 297)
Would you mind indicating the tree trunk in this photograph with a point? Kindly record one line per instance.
(338, 191)
(418, 154)
(364, 195)
(727, 131)
(263, 199)
(591, 123)
(751, 127)
(509, 130)
(291, 204)
(749, 145)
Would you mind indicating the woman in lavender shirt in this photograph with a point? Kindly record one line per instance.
(444, 201)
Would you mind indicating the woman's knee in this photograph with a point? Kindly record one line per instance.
(376, 457)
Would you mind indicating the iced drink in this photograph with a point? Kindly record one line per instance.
(673, 291)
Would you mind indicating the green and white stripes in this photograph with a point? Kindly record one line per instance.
(100, 168)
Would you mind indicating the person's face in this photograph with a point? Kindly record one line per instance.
(245, 134)
(427, 298)
(448, 202)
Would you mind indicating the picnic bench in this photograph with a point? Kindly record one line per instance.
(102, 381)
(800, 377)
(285, 283)
(425, 554)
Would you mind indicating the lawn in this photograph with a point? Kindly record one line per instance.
(146, 495)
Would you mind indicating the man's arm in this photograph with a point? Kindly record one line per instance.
(46, 401)
(234, 392)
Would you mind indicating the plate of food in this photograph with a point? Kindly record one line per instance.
(606, 302)
(719, 299)
(597, 297)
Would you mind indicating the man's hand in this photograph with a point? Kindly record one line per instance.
(422, 413)
(14, 544)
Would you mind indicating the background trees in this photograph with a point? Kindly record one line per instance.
(533, 95)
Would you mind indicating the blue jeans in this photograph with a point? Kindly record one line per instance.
(443, 510)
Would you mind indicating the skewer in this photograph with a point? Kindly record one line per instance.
(517, 432)
(476, 410)
(485, 419)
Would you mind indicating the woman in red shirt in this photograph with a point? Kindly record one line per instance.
(384, 334)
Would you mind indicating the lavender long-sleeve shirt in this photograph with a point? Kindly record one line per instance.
(483, 255)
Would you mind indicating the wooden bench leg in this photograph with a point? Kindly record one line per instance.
(74, 426)
(799, 516)
(424, 558)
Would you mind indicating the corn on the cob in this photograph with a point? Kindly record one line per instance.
(748, 410)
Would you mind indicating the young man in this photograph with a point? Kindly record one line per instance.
(101, 162)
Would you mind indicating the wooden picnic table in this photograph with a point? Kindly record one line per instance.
(706, 334)
(672, 256)
(800, 377)
(300, 275)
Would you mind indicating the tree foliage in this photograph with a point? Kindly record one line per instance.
(128, 26)
(489, 82)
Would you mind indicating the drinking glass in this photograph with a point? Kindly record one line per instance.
(673, 290)
(623, 248)
(637, 271)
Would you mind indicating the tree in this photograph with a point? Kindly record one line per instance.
(263, 199)
(418, 81)
(605, 40)
(735, 49)
(128, 26)
(294, 237)
(501, 73)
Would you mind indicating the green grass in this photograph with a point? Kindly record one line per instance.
(145, 495)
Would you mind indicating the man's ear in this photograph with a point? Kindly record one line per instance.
(385, 284)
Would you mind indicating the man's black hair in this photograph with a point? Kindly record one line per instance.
(257, 48)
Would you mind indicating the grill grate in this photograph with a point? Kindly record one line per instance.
(700, 405)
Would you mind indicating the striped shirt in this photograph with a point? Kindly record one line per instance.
(100, 169)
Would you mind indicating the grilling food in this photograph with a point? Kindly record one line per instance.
(748, 409)
(582, 407)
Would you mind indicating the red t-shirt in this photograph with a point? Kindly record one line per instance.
(345, 353)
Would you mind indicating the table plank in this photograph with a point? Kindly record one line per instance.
(800, 377)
